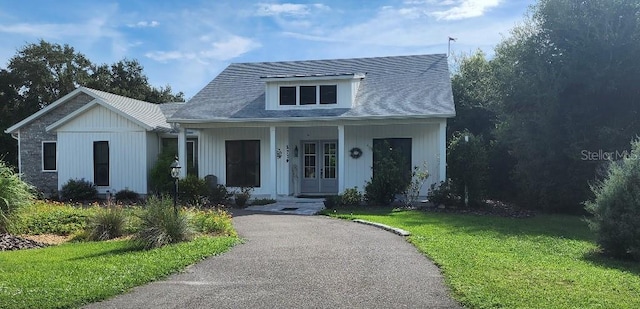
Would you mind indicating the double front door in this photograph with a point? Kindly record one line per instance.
(319, 167)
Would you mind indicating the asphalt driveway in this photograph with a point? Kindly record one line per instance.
(291, 261)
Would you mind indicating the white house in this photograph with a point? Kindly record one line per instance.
(308, 127)
(88, 134)
(284, 128)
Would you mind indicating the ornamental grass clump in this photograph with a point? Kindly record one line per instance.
(616, 207)
(161, 225)
(14, 193)
(108, 223)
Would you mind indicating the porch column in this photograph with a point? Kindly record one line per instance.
(182, 151)
(442, 133)
(273, 179)
(341, 159)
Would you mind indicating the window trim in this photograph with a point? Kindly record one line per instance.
(42, 165)
(108, 164)
(243, 162)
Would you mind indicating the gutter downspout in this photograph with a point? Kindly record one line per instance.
(16, 136)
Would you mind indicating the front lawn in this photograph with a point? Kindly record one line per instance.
(540, 262)
(74, 274)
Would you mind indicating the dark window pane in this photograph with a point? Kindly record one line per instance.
(49, 156)
(101, 163)
(328, 94)
(243, 163)
(287, 95)
(307, 95)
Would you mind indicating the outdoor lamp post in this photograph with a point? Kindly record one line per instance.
(175, 173)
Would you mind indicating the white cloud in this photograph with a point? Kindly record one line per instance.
(144, 24)
(222, 50)
(230, 48)
(463, 9)
(276, 9)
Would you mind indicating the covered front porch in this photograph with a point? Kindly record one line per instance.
(319, 158)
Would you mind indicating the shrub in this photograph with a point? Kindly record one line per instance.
(332, 201)
(107, 224)
(14, 193)
(79, 190)
(127, 196)
(388, 179)
(44, 217)
(443, 194)
(412, 191)
(351, 197)
(213, 221)
(243, 196)
(161, 225)
(467, 166)
(219, 195)
(160, 179)
(192, 189)
(616, 207)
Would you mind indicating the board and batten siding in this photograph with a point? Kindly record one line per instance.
(128, 158)
(212, 153)
(424, 148)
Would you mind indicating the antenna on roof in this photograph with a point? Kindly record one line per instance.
(449, 46)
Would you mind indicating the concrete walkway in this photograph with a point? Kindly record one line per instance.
(293, 205)
(292, 261)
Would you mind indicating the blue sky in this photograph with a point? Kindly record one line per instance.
(185, 44)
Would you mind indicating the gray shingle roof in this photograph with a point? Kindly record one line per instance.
(152, 115)
(398, 86)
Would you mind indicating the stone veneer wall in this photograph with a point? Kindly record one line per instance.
(31, 137)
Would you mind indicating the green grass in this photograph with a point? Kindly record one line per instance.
(74, 274)
(540, 262)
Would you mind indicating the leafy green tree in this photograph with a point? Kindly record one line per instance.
(474, 93)
(126, 78)
(477, 96)
(467, 166)
(567, 81)
(40, 73)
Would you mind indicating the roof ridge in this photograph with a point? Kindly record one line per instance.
(339, 59)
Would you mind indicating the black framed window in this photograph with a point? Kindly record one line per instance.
(398, 150)
(243, 163)
(307, 95)
(328, 94)
(101, 163)
(49, 156)
(287, 95)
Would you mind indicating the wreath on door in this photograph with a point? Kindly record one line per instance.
(355, 152)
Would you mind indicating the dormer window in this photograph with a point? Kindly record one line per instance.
(308, 95)
(288, 95)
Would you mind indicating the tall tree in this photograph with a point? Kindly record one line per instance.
(568, 92)
(126, 78)
(40, 73)
(474, 92)
(44, 72)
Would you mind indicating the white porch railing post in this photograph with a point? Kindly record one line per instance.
(182, 151)
(273, 179)
(443, 149)
(341, 159)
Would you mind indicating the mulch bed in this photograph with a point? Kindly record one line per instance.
(491, 208)
(10, 242)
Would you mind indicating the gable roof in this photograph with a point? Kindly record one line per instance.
(148, 115)
(399, 86)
